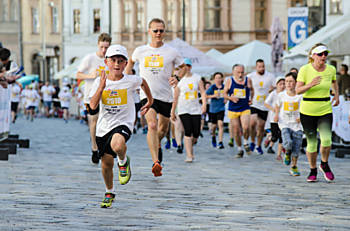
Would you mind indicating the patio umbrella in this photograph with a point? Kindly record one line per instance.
(277, 45)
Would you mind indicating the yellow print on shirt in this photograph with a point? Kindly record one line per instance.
(219, 92)
(260, 98)
(190, 86)
(115, 97)
(261, 83)
(100, 69)
(154, 61)
(239, 93)
(290, 106)
(189, 95)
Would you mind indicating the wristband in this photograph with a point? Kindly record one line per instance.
(177, 78)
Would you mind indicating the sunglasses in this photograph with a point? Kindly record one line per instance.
(325, 53)
(156, 31)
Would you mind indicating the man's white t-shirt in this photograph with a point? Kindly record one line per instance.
(47, 91)
(89, 65)
(289, 111)
(32, 98)
(188, 99)
(15, 93)
(156, 66)
(65, 96)
(261, 84)
(117, 106)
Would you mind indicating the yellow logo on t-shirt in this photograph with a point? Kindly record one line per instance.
(261, 83)
(189, 95)
(240, 93)
(190, 86)
(100, 69)
(115, 97)
(261, 98)
(154, 61)
(290, 106)
(220, 93)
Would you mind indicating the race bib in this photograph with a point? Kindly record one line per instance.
(189, 95)
(260, 98)
(154, 61)
(290, 106)
(220, 93)
(115, 97)
(239, 93)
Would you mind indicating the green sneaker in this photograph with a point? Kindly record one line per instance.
(230, 143)
(294, 171)
(108, 200)
(125, 172)
(287, 159)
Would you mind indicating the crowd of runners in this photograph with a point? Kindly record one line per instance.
(176, 103)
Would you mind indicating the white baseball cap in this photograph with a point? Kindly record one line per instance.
(114, 50)
(279, 78)
(319, 49)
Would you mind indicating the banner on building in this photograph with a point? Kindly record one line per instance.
(297, 25)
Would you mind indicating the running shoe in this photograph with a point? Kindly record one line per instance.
(124, 172)
(240, 154)
(221, 145)
(259, 150)
(160, 155)
(167, 145)
(213, 141)
(179, 149)
(270, 150)
(174, 143)
(247, 149)
(312, 177)
(252, 147)
(108, 200)
(230, 143)
(157, 169)
(327, 172)
(94, 157)
(189, 159)
(287, 159)
(294, 171)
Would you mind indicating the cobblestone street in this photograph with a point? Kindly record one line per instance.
(53, 186)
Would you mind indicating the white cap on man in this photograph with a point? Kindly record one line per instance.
(114, 50)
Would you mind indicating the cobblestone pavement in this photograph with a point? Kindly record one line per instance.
(53, 186)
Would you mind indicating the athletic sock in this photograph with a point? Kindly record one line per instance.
(323, 163)
(313, 171)
(121, 162)
(239, 148)
(110, 190)
(245, 141)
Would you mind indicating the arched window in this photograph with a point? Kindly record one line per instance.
(127, 15)
(140, 15)
(260, 14)
(171, 18)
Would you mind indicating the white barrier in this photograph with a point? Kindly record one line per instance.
(5, 113)
(341, 125)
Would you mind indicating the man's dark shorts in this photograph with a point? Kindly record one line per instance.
(104, 143)
(214, 117)
(163, 108)
(14, 106)
(92, 111)
(261, 114)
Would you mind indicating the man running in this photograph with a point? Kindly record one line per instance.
(262, 83)
(88, 70)
(238, 90)
(157, 62)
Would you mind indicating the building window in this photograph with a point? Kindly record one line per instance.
(140, 23)
(336, 7)
(54, 18)
(76, 21)
(35, 21)
(4, 10)
(187, 14)
(170, 22)
(314, 3)
(297, 3)
(13, 11)
(260, 14)
(127, 15)
(212, 15)
(97, 21)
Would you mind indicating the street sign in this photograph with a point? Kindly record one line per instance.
(297, 25)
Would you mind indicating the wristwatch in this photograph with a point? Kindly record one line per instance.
(177, 78)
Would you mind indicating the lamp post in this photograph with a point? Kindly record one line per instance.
(183, 21)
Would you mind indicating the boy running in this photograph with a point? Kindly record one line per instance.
(113, 92)
(288, 118)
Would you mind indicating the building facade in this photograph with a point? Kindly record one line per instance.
(42, 37)
(9, 27)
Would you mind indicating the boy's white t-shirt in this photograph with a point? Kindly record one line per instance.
(65, 96)
(32, 98)
(271, 100)
(15, 93)
(261, 84)
(188, 98)
(289, 111)
(117, 106)
(88, 65)
(47, 91)
(156, 66)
